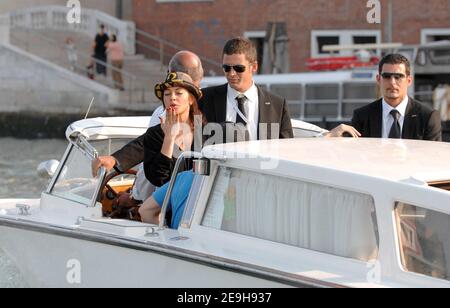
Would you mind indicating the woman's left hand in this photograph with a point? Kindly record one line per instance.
(171, 124)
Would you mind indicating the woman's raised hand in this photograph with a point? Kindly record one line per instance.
(171, 124)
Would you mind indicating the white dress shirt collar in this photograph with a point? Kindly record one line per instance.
(400, 108)
(253, 108)
(251, 94)
(388, 120)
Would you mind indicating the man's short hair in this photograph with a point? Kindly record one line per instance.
(241, 45)
(395, 59)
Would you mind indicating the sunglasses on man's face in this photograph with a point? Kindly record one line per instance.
(397, 76)
(236, 68)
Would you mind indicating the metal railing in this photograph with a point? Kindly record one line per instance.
(332, 100)
(163, 50)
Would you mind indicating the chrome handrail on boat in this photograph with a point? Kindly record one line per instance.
(180, 159)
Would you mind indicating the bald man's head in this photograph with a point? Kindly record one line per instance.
(187, 62)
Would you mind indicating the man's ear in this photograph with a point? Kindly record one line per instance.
(255, 67)
(410, 80)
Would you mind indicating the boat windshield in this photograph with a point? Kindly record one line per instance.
(75, 181)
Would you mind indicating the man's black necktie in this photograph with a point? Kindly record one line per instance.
(395, 132)
(241, 101)
(242, 133)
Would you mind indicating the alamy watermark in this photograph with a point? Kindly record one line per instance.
(226, 133)
(74, 14)
(73, 275)
(374, 14)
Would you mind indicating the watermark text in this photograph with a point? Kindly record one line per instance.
(74, 14)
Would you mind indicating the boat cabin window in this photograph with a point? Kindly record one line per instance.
(75, 181)
(293, 212)
(424, 240)
(109, 146)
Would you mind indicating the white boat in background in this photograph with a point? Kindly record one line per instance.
(307, 212)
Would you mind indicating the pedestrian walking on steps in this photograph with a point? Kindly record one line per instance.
(116, 54)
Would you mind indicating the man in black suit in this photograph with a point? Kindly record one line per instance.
(396, 115)
(263, 114)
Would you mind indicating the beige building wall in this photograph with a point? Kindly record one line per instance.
(107, 6)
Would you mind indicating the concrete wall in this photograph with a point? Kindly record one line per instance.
(4, 29)
(28, 83)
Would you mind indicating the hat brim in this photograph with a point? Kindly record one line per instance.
(161, 87)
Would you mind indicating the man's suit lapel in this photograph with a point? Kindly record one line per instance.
(221, 103)
(263, 107)
(377, 118)
(409, 125)
(265, 114)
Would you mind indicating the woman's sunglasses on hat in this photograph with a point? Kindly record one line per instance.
(236, 68)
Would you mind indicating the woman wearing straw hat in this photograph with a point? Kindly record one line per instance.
(164, 143)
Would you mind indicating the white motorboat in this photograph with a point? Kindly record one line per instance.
(309, 212)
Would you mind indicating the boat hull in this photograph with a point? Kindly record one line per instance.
(46, 259)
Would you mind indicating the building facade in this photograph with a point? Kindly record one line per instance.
(204, 26)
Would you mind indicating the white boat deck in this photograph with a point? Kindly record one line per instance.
(215, 248)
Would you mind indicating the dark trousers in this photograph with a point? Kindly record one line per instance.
(100, 67)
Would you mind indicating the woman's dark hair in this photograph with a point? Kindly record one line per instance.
(194, 111)
(114, 38)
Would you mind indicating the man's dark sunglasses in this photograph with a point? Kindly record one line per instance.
(397, 76)
(236, 68)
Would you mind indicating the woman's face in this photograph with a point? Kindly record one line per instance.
(177, 99)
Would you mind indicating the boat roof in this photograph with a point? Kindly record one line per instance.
(100, 128)
(396, 160)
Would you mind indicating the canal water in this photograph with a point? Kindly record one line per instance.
(18, 179)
